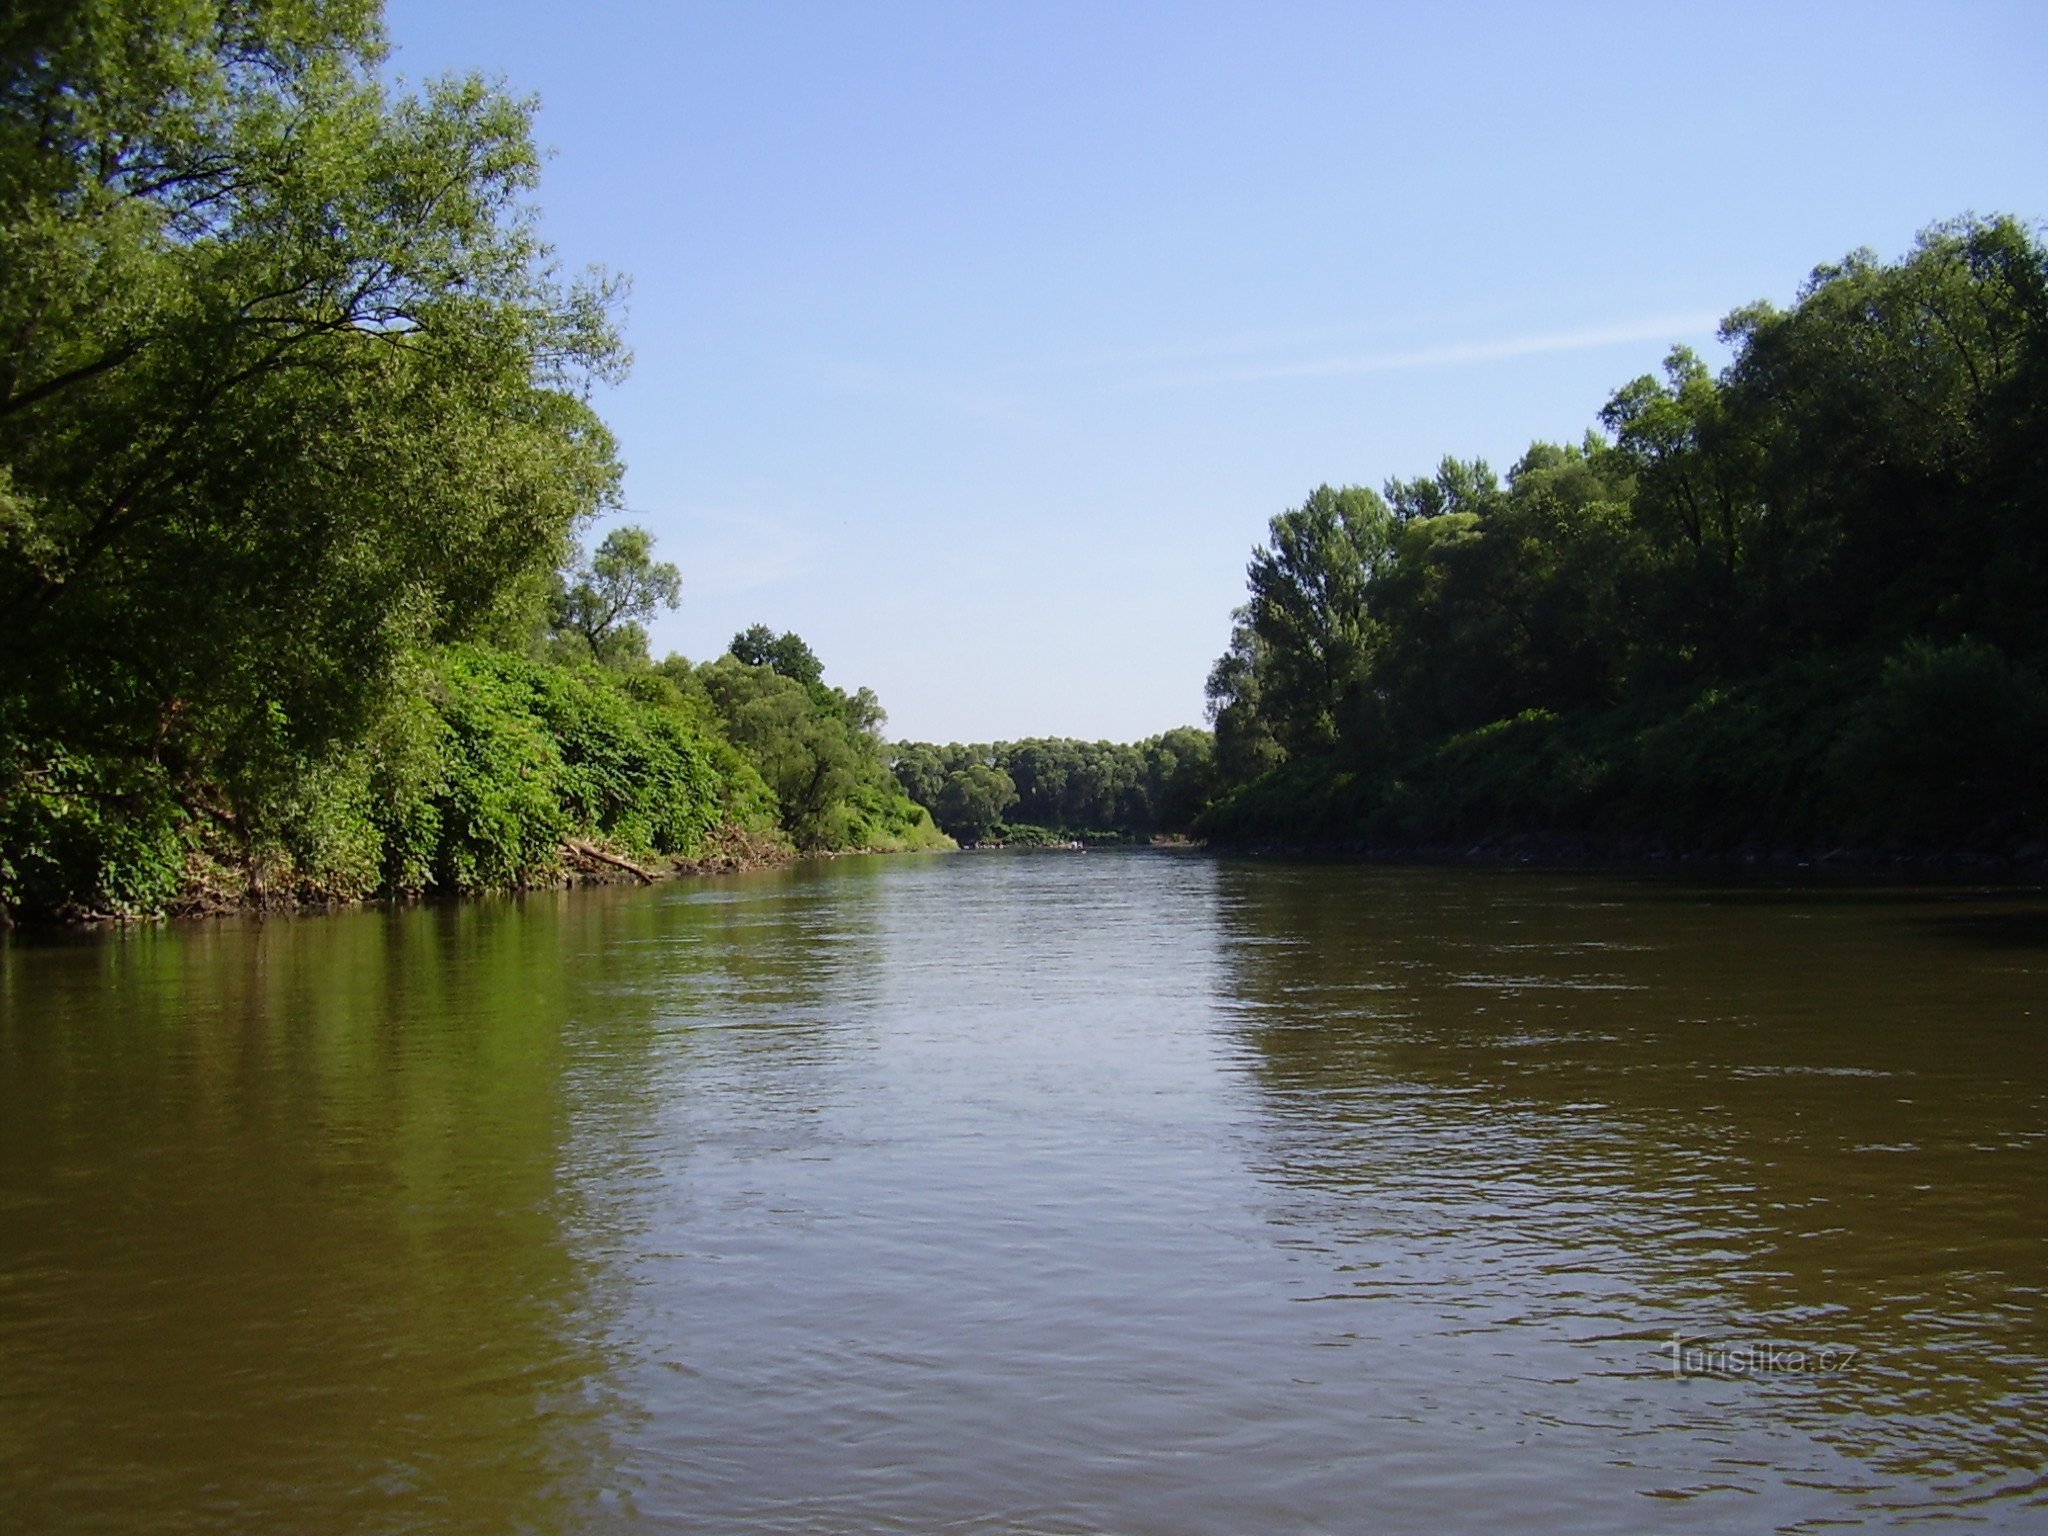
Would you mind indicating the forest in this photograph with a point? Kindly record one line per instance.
(1795, 605)
(299, 467)
(1058, 790)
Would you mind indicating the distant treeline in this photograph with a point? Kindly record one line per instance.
(295, 441)
(1798, 604)
(1039, 790)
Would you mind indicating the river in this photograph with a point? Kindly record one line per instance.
(1134, 1192)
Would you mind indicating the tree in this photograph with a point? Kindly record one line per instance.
(287, 389)
(786, 653)
(862, 710)
(1059, 783)
(973, 801)
(1797, 599)
(920, 770)
(1308, 609)
(1180, 776)
(819, 748)
(1459, 485)
(605, 599)
(1041, 771)
(1497, 600)
(806, 755)
(1245, 744)
(1891, 425)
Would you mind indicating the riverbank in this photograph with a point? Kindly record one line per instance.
(2021, 865)
(215, 889)
(489, 771)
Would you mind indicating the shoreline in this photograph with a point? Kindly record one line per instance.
(2023, 866)
(582, 865)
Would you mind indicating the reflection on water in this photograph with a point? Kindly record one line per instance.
(1086, 1193)
(1545, 1125)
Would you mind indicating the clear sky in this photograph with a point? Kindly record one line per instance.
(976, 342)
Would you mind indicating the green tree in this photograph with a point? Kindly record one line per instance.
(1308, 588)
(1180, 775)
(973, 800)
(820, 750)
(786, 653)
(1065, 785)
(1040, 770)
(1245, 744)
(1496, 600)
(606, 599)
(920, 770)
(1799, 599)
(805, 754)
(1893, 421)
(287, 389)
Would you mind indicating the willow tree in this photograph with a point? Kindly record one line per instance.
(288, 386)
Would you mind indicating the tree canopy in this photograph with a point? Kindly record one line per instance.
(606, 600)
(1797, 600)
(1059, 785)
(288, 384)
(786, 653)
(296, 437)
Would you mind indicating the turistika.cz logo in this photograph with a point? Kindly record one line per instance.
(1759, 1358)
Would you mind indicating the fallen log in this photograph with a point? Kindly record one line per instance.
(612, 859)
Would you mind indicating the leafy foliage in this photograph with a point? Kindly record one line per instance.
(1064, 788)
(288, 389)
(1799, 601)
(816, 746)
(786, 653)
(294, 437)
(972, 801)
(605, 601)
(1308, 609)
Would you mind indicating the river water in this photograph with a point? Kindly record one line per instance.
(1109, 1192)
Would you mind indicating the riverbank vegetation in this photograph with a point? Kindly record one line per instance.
(1795, 604)
(296, 439)
(1055, 790)
(298, 454)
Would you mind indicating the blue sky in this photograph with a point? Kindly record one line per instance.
(977, 342)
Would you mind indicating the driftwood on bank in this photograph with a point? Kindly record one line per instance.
(588, 852)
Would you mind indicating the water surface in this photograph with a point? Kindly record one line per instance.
(1068, 1193)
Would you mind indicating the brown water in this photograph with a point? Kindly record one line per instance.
(1060, 1193)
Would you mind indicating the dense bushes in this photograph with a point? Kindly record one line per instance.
(484, 770)
(529, 754)
(87, 832)
(1948, 744)
(817, 747)
(480, 772)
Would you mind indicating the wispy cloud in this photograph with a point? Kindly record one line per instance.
(1450, 355)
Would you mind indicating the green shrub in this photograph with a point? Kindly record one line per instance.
(533, 752)
(79, 833)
